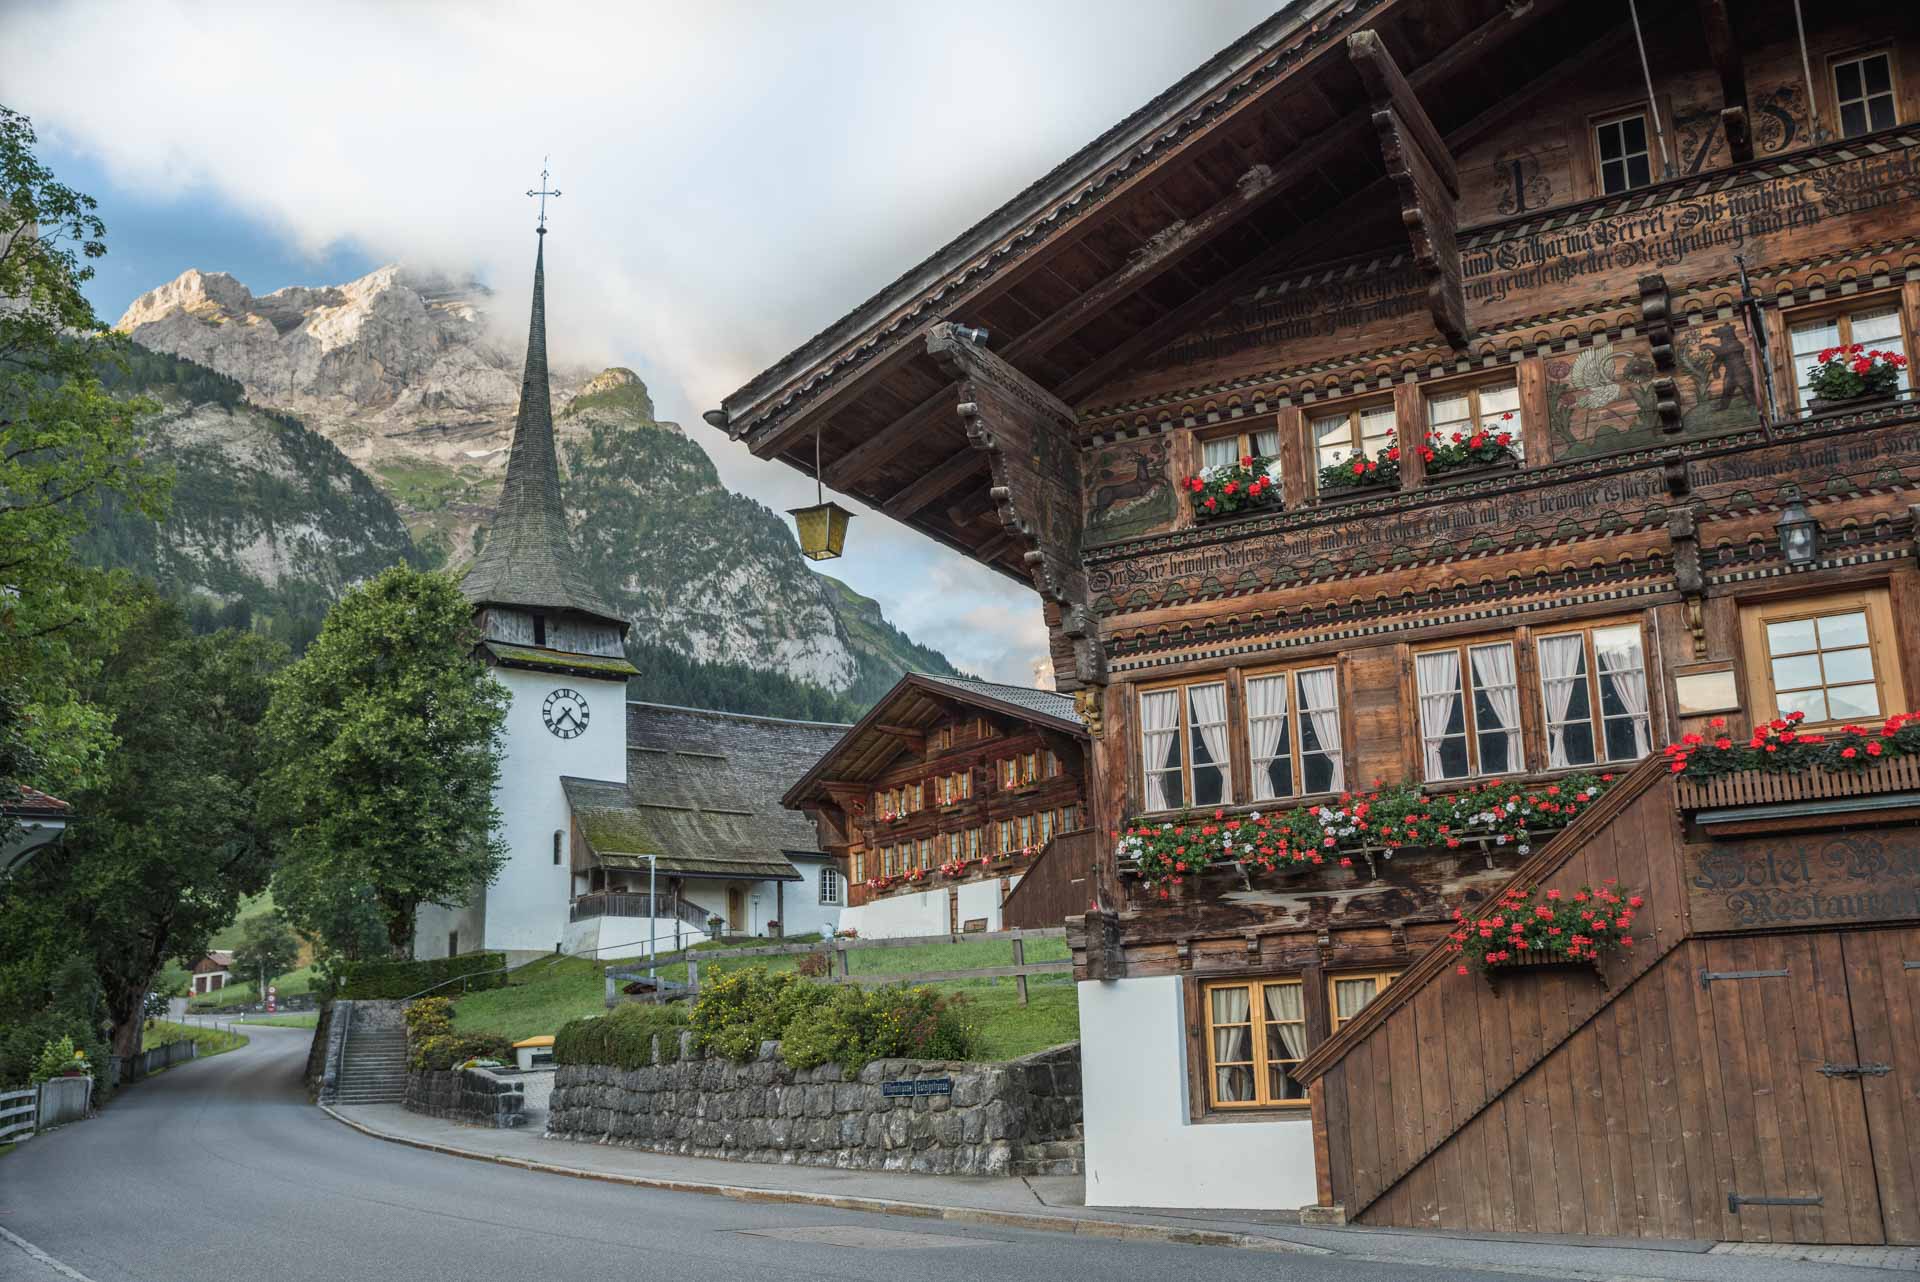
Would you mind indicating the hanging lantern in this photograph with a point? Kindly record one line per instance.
(1799, 531)
(823, 527)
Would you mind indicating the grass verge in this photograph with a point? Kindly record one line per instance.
(299, 1019)
(292, 984)
(213, 1041)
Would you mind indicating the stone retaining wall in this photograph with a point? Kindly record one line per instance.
(467, 1095)
(764, 1111)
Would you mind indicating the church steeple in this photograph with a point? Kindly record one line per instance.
(527, 560)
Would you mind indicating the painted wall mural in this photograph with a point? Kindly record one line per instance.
(1600, 400)
(1129, 492)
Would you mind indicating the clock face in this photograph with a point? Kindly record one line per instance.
(565, 713)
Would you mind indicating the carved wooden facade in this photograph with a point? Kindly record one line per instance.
(1422, 217)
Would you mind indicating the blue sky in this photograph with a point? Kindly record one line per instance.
(738, 174)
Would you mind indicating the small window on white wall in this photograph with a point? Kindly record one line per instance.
(829, 886)
(558, 836)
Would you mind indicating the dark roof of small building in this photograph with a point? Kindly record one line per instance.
(31, 803)
(916, 703)
(702, 794)
(528, 559)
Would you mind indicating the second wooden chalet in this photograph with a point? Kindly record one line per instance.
(955, 805)
(1466, 458)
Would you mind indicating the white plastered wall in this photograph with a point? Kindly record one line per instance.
(898, 916)
(1142, 1148)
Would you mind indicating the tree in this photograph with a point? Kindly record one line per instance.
(268, 949)
(386, 745)
(65, 443)
(170, 842)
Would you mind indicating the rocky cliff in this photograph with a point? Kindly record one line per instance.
(406, 375)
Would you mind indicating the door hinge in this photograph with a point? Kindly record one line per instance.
(1709, 976)
(1856, 1070)
(1735, 1201)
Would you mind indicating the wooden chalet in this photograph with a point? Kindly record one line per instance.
(956, 804)
(1511, 311)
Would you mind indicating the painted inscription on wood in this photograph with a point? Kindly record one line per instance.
(1775, 883)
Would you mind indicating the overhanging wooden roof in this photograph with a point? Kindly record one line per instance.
(906, 712)
(1262, 158)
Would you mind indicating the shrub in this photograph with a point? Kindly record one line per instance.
(23, 1044)
(391, 979)
(622, 1038)
(854, 1027)
(443, 1050)
(812, 965)
(57, 1057)
(429, 1017)
(736, 1012)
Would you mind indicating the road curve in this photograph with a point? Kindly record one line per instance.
(220, 1171)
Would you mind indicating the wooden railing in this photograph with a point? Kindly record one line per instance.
(618, 904)
(1055, 885)
(17, 1112)
(1768, 787)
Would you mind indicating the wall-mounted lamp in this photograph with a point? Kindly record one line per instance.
(1799, 532)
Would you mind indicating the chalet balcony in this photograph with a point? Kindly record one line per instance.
(1889, 784)
(616, 904)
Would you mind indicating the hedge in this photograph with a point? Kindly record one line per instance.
(373, 980)
(622, 1038)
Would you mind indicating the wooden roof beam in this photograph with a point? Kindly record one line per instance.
(1725, 51)
(915, 739)
(1423, 172)
(931, 485)
(889, 442)
(815, 413)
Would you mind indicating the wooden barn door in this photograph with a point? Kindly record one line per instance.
(1883, 979)
(1816, 1048)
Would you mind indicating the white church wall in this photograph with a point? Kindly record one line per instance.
(980, 901)
(1143, 1148)
(526, 907)
(607, 938)
(463, 927)
(805, 913)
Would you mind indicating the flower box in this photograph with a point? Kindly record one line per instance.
(1532, 960)
(1347, 493)
(1841, 404)
(1841, 377)
(1454, 476)
(1235, 490)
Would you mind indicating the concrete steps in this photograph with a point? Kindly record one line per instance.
(374, 1067)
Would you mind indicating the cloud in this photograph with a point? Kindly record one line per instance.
(736, 175)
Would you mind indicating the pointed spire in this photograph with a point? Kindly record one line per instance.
(528, 558)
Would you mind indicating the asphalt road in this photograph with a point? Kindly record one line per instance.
(220, 1170)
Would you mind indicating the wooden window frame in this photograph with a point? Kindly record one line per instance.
(1352, 409)
(1843, 310)
(1292, 673)
(1053, 767)
(1243, 439)
(1595, 719)
(1381, 979)
(1183, 728)
(1470, 721)
(829, 886)
(1471, 389)
(1256, 986)
(1597, 122)
(1882, 640)
(1861, 53)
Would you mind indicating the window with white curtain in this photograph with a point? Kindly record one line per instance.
(829, 886)
(1593, 684)
(1183, 746)
(1256, 1038)
(1876, 328)
(1348, 995)
(1293, 733)
(1226, 451)
(1493, 408)
(1337, 438)
(1469, 711)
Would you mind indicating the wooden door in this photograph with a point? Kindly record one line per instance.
(736, 909)
(1883, 972)
(1796, 1157)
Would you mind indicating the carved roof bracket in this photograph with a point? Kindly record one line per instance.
(1683, 534)
(1656, 318)
(1423, 173)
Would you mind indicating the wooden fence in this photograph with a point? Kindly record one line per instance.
(54, 1102)
(19, 1111)
(839, 970)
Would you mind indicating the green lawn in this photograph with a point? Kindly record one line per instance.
(251, 906)
(212, 1040)
(545, 994)
(291, 984)
(301, 1019)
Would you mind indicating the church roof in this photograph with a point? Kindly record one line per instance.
(702, 794)
(528, 558)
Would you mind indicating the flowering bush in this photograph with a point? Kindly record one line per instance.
(1348, 474)
(1577, 927)
(1222, 491)
(1484, 447)
(1844, 372)
(1780, 745)
(1384, 819)
(59, 1058)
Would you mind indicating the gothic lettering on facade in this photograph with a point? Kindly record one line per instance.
(1858, 877)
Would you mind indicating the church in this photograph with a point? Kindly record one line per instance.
(625, 823)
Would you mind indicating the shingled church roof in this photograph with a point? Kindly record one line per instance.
(528, 559)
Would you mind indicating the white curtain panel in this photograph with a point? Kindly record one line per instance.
(1159, 725)
(1320, 700)
(1560, 659)
(1207, 705)
(1619, 658)
(1350, 997)
(1286, 1015)
(1439, 677)
(1266, 722)
(1493, 675)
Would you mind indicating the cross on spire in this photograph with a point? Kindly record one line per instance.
(543, 193)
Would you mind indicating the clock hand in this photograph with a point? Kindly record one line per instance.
(568, 714)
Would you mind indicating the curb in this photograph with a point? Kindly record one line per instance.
(1116, 1229)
